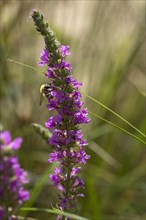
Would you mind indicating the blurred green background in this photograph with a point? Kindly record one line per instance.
(108, 55)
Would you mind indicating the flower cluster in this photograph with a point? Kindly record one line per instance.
(65, 98)
(12, 177)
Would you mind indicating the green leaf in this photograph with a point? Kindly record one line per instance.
(42, 131)
(23, 64)
(104, 155)
(116, 126)
(94, 205)
(37, 189)
(123, 119)
(55, 211)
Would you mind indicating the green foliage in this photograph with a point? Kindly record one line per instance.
(42, 131)
(35, 192)
(108, 57)
(123, 119)
(116, 126)
(56, 212)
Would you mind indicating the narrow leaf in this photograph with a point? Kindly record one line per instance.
(116, 126)
(38, 189)
(123, 119)
(23, 64)
(104, 155)
(42, 131)
(54, 211)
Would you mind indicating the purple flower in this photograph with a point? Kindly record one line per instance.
(65, 50)
(75, 171)
(65, 98)
(56, 156)
(64, 65)
(81, 117)
(53, 121)
(15, 144)
(5, 137)
(56, 178)
(12, 176)
(67, 138)
(78, 182)
(83, 157)
(7, 143)
(23, 195)
(74, 82)
(44, 57)
(51, 72)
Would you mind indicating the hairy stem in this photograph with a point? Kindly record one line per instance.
(67, 183)
(67, 186)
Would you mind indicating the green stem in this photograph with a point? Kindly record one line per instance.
(67, 185)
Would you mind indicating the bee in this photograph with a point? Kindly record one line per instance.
(45, 90)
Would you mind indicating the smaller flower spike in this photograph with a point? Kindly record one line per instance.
(12, 177)
(64, 97)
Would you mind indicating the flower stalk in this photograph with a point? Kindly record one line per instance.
(63, 95)
(12, 177)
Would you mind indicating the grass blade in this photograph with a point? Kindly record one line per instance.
(37, 189)
(54, 211)
(116, 126)
(23, 64)
(104, 155)
(104, 106)
(123, 119)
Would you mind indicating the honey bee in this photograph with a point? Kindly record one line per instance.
(45, 90)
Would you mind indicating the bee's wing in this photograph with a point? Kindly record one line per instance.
(41, 98)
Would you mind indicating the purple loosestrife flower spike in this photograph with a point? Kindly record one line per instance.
(64, 97)
(12, 177)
